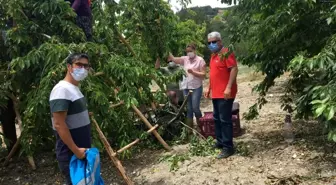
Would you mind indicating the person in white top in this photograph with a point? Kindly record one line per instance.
(69, 114)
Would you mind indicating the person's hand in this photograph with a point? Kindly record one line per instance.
(190, 71)
(170, 57)
(157, 63)
(227, 93)
(80, 153)
(207, 94)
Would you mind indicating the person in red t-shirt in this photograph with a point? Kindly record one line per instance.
(223, 89)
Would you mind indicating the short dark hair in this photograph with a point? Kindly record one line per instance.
(192, 46)
(76, 56)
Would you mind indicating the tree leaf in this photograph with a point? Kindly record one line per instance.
(320, 110)
(315, 102)
(329, 20)
(331, 113)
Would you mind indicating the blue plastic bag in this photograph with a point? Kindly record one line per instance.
(86, 171)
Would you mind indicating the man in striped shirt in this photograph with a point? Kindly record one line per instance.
(70, 118)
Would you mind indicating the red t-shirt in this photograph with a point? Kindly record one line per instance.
(220, 74)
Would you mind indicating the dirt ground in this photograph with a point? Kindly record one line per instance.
(267, 159)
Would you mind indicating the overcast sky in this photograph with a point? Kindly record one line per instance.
(213, 3)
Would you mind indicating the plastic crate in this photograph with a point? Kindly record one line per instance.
(207, 123)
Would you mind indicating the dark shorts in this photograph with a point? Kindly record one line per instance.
(85, 22)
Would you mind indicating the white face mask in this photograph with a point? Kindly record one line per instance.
(191, 54)
(79, 74)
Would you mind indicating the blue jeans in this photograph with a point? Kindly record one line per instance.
(223, 122)
(194, 102)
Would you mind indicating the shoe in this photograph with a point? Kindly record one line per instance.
(225, 153)
(217, 146)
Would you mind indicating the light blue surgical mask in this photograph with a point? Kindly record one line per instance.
(79, 74)
(213, 47)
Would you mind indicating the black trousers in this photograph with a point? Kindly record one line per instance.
(223, 122)
(85, 22)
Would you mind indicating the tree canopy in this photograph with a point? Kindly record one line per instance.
(128, 37)
(279, 36)
(292, 36)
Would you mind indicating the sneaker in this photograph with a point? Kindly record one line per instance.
(225, 153)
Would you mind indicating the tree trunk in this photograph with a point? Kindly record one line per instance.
(7, 118)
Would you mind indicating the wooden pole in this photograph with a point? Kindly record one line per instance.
(111, 153)
(156, 134)
(128, 146)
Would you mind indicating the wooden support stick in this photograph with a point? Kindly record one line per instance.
(16, 145)
(152, 129)
(156, 134)
(12, 152)
(111, 153)
(128, 146)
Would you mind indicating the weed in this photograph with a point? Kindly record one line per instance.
(174, 160)
(197, 147)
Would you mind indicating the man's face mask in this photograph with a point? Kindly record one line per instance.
(213, 46)
(79, 74)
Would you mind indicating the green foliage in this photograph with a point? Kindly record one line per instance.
(155, 22)
(197, 147)
(242, 149)
(298, 37)
(174, 160)
(201, 147)
(43, 35)
(189, 32)
(312, 86)
(223, 20)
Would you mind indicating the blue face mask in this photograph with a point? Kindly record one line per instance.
(213, 47)
(79, 74)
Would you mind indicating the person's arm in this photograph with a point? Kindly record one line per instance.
(232, 65)
(177, 60)
(233, 76)
(157, 63)
(64, 132)
(59, 105)
(208, 90)
(163, 70)
(76, 4)
(201, 73)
